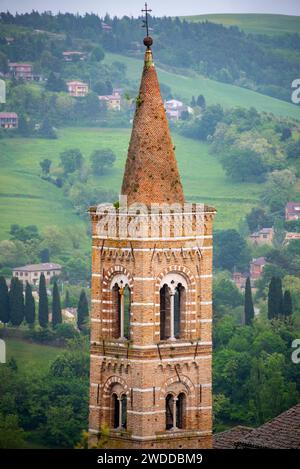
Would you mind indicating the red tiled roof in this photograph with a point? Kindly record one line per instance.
(259, 261)
(229, 438)
(291, 207)
(38, 267)
(282, 432)
(8, 115)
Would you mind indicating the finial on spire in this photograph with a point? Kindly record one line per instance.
(148, 41)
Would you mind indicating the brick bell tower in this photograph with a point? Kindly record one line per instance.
(151, 319)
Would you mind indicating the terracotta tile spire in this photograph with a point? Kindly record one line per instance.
(151, 173)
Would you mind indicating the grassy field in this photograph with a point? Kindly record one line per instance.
(215, 92)
(26, 199)
(30, 355)
(253, 23)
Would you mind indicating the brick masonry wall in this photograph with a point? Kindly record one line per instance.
(145, 368)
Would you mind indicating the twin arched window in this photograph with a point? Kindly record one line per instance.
(175, 411)
(173, 289)
(172, 306)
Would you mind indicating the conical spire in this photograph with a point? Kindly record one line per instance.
(151, 173)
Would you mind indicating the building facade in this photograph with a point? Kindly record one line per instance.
(263, 236)
(9, 120)
(77, 89)
(151, 319)
(32, 272)
(292, 211)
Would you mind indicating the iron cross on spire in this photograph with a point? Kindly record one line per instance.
(145, 21)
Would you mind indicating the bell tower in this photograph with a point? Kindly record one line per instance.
(151, 319)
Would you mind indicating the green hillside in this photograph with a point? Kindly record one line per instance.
(30, 355)
(215, 92)
(27, 199)
(253, 23)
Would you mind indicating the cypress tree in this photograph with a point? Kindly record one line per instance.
(43, 302)
(82, 310)
(272, 299)
(56, 307)
(16, 302)
(67, 301)
(248, 307)
(4, 301)
(279, 298)
(29, 305)
(287, 304)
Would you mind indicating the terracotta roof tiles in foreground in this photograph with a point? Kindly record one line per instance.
(151, 173)
(282, 432)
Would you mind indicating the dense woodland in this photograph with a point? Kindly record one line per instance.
(265, 63)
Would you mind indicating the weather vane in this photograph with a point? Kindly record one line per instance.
(145, 21)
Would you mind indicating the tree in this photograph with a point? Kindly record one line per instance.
(101, 160)
(278, 189)
(97, 54)
(230, 251)
(193, 102)
(272, 299)
(71, 160)
(248, 308)
(24, 233)
(257, 219)
(287, 304)
(67, 302)
(45, 165)
(4, 301)
(46, 129)
(279, 297)
(275, 298)
(16, 302)
(82, 310)
(11, 435)
(56, 307)
(293, 149)
(55, 83)
(29, 309)
(43, 302)
(201, 101)
(103, 87)
(244, 165)
(24, 126)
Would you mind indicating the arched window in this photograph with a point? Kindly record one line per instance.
(180, 411)
(172, 306)
(119, 411)
(124, 411)
(121, 300)
(169, 411)
(175, 411)
(116, 411)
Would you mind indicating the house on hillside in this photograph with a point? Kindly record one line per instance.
(73, 55)
(292, 211)
(291, 237)
(106, 28)
(263, 236)
(20, 70)
(9, 120)
(240, 280)
(32, 272)
(175, 109)
(257, 267)
(112, 102)
(77, 89)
